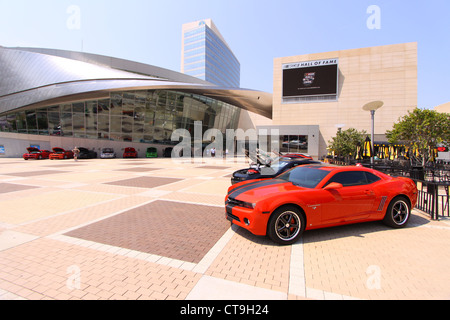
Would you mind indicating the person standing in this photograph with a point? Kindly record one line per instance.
(76, 153)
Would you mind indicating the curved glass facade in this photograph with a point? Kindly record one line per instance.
(145, 116)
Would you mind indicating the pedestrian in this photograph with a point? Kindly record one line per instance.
(213, 152)
(76, 152)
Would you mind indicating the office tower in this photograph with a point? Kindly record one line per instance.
(206, 55)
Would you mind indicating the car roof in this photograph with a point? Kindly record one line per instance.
(331, 167)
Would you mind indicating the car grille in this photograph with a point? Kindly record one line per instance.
(232, 217)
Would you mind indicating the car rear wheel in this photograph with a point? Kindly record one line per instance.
(397, 213)
(286, 225)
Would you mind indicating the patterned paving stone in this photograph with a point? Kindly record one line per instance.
(144, 182)
(11, 187)
(35, 173)
(171, 229)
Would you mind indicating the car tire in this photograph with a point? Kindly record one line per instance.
(286, 225)
(398, 213)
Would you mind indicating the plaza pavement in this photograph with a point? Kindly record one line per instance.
(156, 229)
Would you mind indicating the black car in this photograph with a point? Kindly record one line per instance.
(269, 171)
(87, 154)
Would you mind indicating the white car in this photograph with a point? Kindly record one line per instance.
(107, 153)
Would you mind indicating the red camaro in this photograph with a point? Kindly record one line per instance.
(130, 153)
(60, 153)
(35, 153)
(318, 196)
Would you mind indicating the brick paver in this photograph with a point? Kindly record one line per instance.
(153, 228)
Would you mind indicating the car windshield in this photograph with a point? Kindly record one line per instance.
(108, 151)
(274, 168)
(307, 177)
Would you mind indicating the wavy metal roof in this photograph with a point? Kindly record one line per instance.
(31, 78)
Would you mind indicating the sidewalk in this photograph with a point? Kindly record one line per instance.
(156, 229)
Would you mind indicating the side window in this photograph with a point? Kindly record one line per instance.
(349, 178)
(371, 178)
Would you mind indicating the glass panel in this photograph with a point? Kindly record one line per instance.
(128, 108)
(66, 124)
(31, 122)
(103, 126)
(116, 124)
(78, 122)
(116, 104)
(21, 122)
(78, 107)
(54, 123)
(42, 122)
(12, 122)
(127, 125)
(138, 138)
(116, 136)
(103, 106)
(54, 109)
(66, 108)
(3, 124)
(91, 135)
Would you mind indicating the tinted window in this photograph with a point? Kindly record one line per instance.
(304, 176)
(353, 178)
(371, 178)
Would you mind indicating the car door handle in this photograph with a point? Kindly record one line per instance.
(369, 192)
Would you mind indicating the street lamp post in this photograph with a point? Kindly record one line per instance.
(372, 107)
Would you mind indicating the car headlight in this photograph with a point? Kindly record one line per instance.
(239, 203)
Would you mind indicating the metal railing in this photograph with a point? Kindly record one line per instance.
(433, 198)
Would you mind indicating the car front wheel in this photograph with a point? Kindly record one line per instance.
(397, 213)
(286, 225)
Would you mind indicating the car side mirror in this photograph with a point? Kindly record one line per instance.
(333, 186)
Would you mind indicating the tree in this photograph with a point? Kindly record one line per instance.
(421, 130)
(346, 142)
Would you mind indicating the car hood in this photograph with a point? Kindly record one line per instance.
(30, 150)
(256, 190)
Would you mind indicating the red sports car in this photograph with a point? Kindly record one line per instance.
(130, 153)
(60, 153)
(35, 153)
(318, 196)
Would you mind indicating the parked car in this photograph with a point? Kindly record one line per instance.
(152, 152)
(60, 153)
(297, 155)
(269, 171)
(35, 153)
(318, 196)
(86, 153)
(130, 153)
(107, 153)
(167, 153)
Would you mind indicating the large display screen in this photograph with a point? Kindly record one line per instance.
(311, 78)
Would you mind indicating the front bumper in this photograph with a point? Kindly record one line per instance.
(251, 219)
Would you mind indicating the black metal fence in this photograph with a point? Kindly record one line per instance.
(432, 181)
(433, 185)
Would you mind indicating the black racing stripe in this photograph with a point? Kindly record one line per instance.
(235, 193)
(245, 185)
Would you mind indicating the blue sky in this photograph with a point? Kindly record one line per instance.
(258, 31)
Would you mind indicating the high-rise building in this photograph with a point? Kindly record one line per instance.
(206, 55)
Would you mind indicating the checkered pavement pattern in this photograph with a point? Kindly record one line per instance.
(155, 229)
